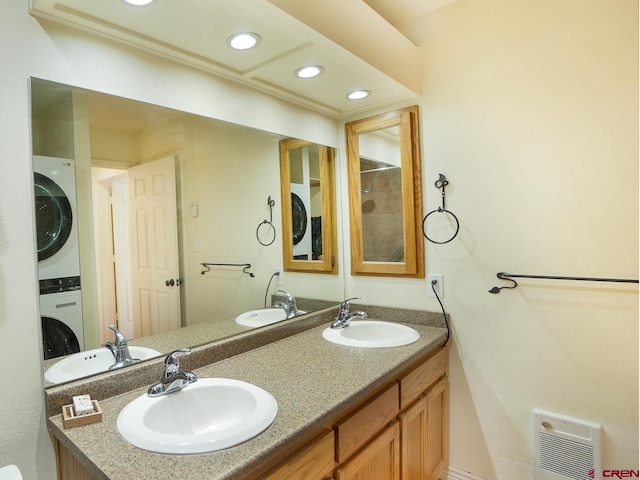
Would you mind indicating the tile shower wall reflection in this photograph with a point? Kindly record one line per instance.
(382, 215)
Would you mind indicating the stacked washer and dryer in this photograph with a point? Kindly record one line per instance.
(58, 256)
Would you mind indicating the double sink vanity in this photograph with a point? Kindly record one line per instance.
(297, 400)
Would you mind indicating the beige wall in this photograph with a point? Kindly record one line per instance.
(531, 111)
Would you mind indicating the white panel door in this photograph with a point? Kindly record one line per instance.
(154, 250)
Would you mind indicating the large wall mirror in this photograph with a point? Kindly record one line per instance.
(216, 177)
(308, 207)
(385, 195)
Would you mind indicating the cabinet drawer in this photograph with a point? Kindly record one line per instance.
(315, 461)
(421, 378)
(359, 427)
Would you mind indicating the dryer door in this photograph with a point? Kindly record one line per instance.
(57, 339)
(53, 216)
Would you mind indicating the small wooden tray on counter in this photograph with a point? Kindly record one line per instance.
(70, 419)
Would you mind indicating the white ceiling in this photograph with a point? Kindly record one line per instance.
(195, 32)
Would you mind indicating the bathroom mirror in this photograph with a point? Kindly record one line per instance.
(224, 174)
(308, 207)
(385, 194)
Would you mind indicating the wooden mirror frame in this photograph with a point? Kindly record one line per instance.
(409, 135)
(328, 263)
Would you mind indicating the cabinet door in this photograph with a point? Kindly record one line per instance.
(379, 460)
(413, 441)
(437, 428)
(313, 462)
(424, 437)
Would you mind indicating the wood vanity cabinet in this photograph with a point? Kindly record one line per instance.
(414, 446)
(399, 433)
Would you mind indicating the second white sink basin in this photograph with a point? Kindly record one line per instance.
(371, 334)
(261, 317)
(90, 362)
(209, 415)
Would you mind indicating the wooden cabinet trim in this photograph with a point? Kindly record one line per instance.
(438, 428)
(313, 461)
(418, 380)
(358, 428)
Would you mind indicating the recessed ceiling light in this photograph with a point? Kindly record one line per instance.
(358, 94)
(309, 71)
(140, 3)
(243, 41)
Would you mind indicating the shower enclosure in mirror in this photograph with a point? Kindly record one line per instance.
(308, 209)
(385, 195)
(108, 156)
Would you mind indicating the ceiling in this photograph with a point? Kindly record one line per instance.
(358, 48)
(399, 12)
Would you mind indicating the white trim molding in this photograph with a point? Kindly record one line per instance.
(453, 473)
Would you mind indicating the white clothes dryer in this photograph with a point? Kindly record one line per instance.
(56, 225)
(61, 315)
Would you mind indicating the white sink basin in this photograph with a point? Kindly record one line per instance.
(90, 362)
(209, 415)
(263, 317)
(372, 334)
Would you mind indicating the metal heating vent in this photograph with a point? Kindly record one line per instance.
(565, 447)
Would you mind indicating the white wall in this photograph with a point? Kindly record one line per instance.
(531, 111)
(67, 56)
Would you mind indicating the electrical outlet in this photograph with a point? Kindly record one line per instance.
(435, 280)
(279, 279)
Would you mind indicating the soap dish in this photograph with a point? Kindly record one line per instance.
(70, 419)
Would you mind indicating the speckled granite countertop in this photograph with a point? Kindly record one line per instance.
(312, 380)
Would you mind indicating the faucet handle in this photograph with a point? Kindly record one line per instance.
(286, 294)
(121, 340)
(172, 361)
(345, 306)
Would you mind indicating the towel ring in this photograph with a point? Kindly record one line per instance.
(440, 210)
(440, 183)
(269, 222)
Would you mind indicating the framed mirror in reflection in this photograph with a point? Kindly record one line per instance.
(143, 195)
(308, 207)
(385, 195)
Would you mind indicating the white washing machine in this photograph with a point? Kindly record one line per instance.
(56, 225)
(301, 221)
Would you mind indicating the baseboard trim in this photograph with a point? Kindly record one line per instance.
(453, 473)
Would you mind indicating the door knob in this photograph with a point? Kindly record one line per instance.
(169, 283)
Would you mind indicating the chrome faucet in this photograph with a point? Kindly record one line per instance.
(173, 378)
(120, 350)
(290, 307)
(343, 319)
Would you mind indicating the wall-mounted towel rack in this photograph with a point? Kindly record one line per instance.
(441, 183)
(271, 229)
(245, 267)
(508, 277)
